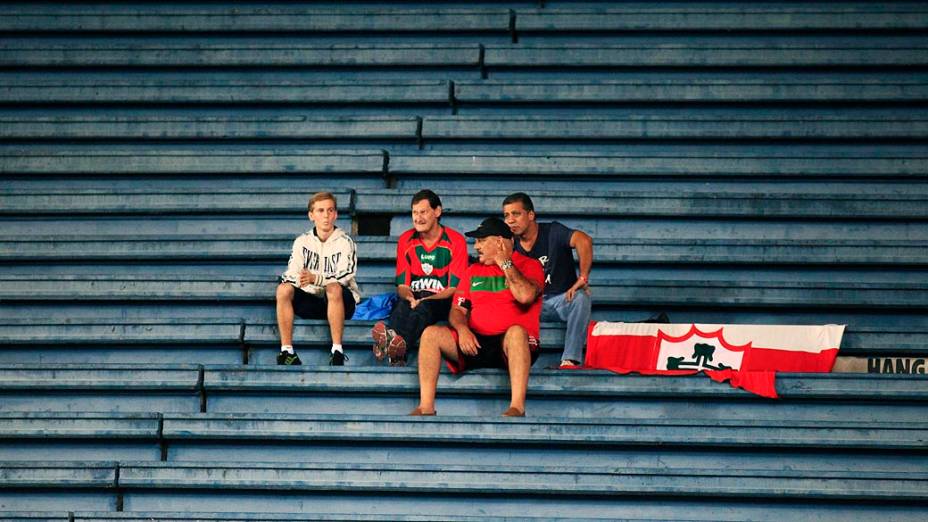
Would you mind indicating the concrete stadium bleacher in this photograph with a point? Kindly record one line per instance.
(761, 162)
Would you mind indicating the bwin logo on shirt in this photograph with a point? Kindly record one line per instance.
(427, 284)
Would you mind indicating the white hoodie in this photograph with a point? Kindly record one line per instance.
(332, 261)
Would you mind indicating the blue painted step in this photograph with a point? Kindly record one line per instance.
(501, 489)
(100, 388)
(142, 161)
(219, 201)
(668, 511)
(694, 54)
(751, 124)
(551, 431)
(724, 16)
(260, 289)
(101, 125)
(559, 91)
(60, 486)
(159, 88)
(695, 204)
(271, 247)
(279, 18)
(518, 482)
(358, 390)
(80, 436)
(748, 164)
(175, 52)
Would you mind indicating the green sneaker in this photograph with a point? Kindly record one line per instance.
(288, 359)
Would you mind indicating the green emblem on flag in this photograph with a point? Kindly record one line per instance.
(702, 356)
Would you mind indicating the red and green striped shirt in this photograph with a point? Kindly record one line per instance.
(430, 269)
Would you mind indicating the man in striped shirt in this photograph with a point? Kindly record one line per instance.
(430, 261)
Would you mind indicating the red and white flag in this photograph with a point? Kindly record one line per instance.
(745, 355)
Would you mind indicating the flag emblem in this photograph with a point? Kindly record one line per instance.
(697, 350)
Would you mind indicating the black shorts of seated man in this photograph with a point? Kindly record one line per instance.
(430, 262)
(319, 282)
(494, 319)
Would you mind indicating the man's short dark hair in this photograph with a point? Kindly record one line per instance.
(520, 197)
(428, 195)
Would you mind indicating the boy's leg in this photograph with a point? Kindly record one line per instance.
(335, 311)
(285, 292)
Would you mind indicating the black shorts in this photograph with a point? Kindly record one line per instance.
(489, 355)
(308, 306)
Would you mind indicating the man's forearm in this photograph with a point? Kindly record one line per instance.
(522, 289)
(583, 243)
(457, 318)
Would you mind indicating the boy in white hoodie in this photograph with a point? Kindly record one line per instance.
(319, 281)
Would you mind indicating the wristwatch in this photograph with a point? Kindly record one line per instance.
(506, 265)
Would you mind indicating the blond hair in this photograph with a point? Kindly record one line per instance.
(321, 196)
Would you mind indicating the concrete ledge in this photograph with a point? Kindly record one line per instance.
(268, 126)
(747, 125)
(218, 18)
(692, 55)
(551, 383)
(694, 204)
(159, 516)
(795, 162)
(142, 160)
(662, 510)
(727, 294)
(382, 249)
(58, 425)
(526, 480)
(266, 90)
(193, 202)
(113, 377)
(552, 431)
(108, 332)
(854, 17)
(34, 516)
(57, 475)
(649, 91)
(102, 52)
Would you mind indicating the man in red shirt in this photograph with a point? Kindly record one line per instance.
(494, 319)
(430, 262)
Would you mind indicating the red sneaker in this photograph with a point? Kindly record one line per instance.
(379, 334)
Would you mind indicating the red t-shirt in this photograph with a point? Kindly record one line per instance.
(493, 307)
(430, 269)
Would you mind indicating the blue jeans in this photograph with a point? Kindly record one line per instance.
(576, 314)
